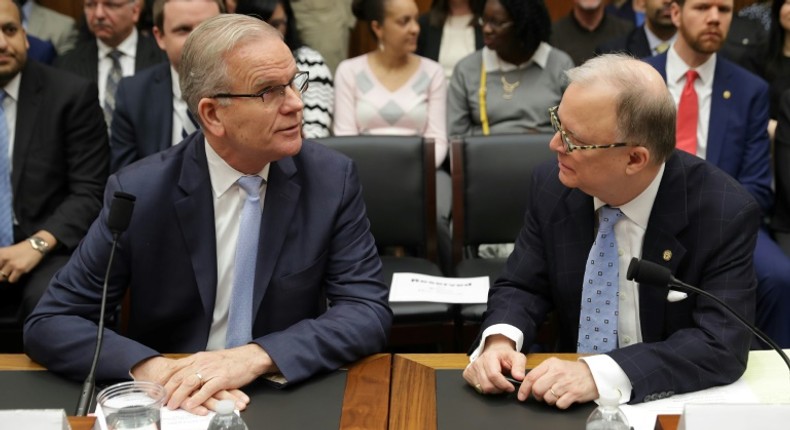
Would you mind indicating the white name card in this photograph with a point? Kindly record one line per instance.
(34, 419)
(733, 416)
(415, 287)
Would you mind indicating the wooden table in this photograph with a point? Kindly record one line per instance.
(365, 401)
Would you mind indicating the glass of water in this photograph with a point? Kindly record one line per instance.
(132, 405)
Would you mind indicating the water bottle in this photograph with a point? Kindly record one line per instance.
(608, 415)
(226, 418)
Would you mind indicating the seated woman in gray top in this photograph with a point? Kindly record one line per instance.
(509, 85)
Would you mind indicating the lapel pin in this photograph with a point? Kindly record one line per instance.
(727, 94)
(667, 255)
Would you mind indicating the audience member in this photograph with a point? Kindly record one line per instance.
(645, 200)
(723, 118)
(654, 37)
(319, 99)
(450, 31)
(54, 141)
(117, 49)
(772, 60)
(587, 26)
(150, 114)
(49, 25)
(304, 294)
(325, 26)
(507, 86)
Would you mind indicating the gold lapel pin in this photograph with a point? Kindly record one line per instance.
(727, 94)
(667, 255)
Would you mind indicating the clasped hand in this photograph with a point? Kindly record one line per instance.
(197, 382)
(556, 382)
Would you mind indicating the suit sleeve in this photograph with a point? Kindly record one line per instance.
(345, 104)
(87, 160)
(781, 220)
(436, 126)
(755, 169)
(358, 319)
(123, 136)
(459, 113)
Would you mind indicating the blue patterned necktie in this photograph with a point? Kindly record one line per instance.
(599, 308)
(6, 200)
(113, 77)
(240, 311)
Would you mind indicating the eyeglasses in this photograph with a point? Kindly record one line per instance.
(567, 139)
(110, 6)
(495, 25)
(275, 94)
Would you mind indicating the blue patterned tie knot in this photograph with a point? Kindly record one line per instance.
(240, 311)
(6, 199)
(599, 307)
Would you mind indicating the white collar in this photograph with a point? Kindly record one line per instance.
(677, 68)
(493, 63)
(638, 210)
(222, 175)
(12, 87)
(128, 47)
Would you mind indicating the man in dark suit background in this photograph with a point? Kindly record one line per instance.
(316, 299)
(150, 115)
(57, 145)
(117, 46)
(652, 38)
(731, 132)
(615, 148)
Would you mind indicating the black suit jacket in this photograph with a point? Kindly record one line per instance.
(703, 227)
(142, 123)
(83, 60)
(634, 43)
(60, 154)
(430, 39)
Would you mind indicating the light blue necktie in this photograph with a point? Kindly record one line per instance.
(599, 308)
(240, 311)
(6, 200)
(113, 77)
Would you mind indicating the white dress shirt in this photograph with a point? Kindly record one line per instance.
(180, 118)
(229, 198)
(676, 80)
(129, 49)
(630, 233)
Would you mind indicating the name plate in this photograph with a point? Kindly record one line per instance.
(732, 417)
(34, 419)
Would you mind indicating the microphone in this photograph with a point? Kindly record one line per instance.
(118, 221)
(647, 272)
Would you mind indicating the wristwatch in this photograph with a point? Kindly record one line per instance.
(39, 244)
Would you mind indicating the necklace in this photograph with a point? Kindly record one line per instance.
(507, 88)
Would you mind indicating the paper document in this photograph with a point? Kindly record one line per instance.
(415, 287)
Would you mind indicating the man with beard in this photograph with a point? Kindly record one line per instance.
(654, 37)
(723, 118)
(118, 50)
(587, 26)
(53, 165)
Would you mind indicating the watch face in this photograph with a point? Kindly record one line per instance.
(39, 244)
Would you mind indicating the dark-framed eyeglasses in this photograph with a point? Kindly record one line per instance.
(273, 94)
(567, 138)
(495, 25)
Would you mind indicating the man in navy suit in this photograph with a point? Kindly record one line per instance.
(653, 37)
(732, 134)
(150, 115)
(615, 147)
(318, 298)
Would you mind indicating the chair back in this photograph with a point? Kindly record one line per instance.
(398, 177)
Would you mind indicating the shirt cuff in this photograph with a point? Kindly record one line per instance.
(608, 375)
(506, 330)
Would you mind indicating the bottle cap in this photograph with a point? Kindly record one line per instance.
(609, 397)
(225, 407)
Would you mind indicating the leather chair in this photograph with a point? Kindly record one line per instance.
(398, 180)
(491, 182)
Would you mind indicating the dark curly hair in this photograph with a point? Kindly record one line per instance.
(263, 10)
(531, 22)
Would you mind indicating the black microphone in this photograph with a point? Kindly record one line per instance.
(646, 272)
(117, 221)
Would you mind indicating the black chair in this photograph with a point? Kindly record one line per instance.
(398, 178)
(11, 320)
(491, 181)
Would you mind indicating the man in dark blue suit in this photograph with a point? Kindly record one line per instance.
(317, 298)
(731, 133)
(615, 147)
(651, 38)
(150, 115)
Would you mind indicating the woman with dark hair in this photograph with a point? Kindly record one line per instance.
(450, 31)
(509, 85)
(319, 98)
(772, 62)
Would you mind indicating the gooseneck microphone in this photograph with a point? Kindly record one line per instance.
(117, 221)
(649, 273)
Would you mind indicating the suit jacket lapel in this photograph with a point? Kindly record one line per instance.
(282, 196)
(195, 212)
(30, 99)
(719, 111)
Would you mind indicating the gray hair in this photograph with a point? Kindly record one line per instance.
(645, 112)
(204, 70)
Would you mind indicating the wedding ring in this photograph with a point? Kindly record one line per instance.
(200, 378)
(551, 390)
(478, 388)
